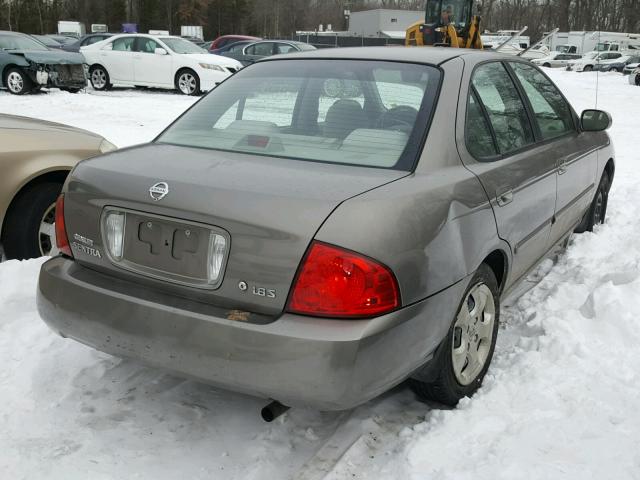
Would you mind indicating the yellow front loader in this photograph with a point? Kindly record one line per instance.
(451, 23)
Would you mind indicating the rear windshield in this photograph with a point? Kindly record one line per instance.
(352, 112)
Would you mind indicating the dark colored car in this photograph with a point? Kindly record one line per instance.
(255, 51)
(225, 40)
(619, 66)
(236, 47)
(27, 65)
(86, 40)
(339, 221)
(63, 39)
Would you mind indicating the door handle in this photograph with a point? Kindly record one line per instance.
(562, 166)
(504, 198)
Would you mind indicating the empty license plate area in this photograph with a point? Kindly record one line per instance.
(180, 252)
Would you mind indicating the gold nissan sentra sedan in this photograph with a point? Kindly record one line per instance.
(35, 159)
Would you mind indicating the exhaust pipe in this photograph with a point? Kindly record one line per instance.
(273, 411)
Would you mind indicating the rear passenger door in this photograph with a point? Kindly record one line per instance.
(119, 59)
(499, 146)
(557, 132)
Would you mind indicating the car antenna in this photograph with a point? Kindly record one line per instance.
(597, 69)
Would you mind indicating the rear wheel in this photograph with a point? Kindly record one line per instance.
(463, 357)
(638, 79)
(17, 82)
(99, 78)
(597, 211)
(29, 229)
(546, 64)
(587, 68)
(187, 82)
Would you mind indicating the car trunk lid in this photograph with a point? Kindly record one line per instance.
(268, 209)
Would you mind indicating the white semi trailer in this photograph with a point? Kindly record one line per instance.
(583, 41)
(75, 29)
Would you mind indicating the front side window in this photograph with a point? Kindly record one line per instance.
(335, 111)
(146, 45)
(504, 107)
(551, 110)
(124, 44)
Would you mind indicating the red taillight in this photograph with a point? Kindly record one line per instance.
(62, 241)
(334, 282)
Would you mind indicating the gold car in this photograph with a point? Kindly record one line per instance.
(35, 159)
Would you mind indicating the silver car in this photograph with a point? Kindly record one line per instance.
(326, 225)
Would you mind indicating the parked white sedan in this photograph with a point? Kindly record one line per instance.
(556, 59)
(155, 61)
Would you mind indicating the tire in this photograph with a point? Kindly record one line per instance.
(187, 82)
(99, 78)
(17, 81)
(587, 68)
(597, 212)
(22, 237)
(454, 379)
(637, 79)
(546, 65)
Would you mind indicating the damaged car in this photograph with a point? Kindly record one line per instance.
(27, 65)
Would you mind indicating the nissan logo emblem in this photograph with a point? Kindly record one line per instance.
(159, 191)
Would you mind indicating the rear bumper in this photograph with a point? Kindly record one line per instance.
(324, 364)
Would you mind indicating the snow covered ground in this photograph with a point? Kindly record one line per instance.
(561, 400)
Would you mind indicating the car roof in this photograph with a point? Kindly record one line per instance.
(15, 34)
(426, 55)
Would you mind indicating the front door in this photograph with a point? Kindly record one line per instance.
(519, 176)
(573, 152)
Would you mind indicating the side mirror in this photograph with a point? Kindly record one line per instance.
(595, 120)
(160, 51)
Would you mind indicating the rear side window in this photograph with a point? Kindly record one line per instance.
(123, 44)
(285, 48)
(260, 49)
(505, 109)
(552, 112)
(335, 111)
(478, 134)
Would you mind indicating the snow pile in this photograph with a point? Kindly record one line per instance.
(561, 400)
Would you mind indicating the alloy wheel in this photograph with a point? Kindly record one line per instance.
(98, 78)
(473, 334)
(15, 82)
(187, 83)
